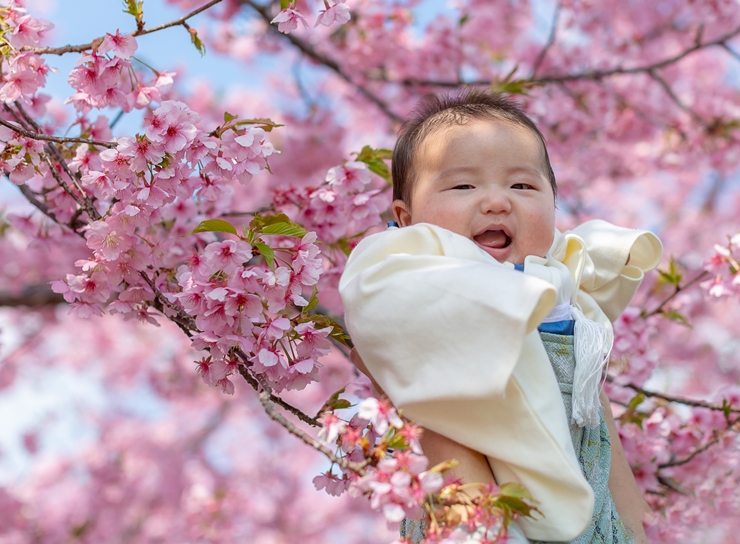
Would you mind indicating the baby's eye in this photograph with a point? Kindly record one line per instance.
(521, 186)
(463, 187)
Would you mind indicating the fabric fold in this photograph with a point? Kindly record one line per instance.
(449, 334)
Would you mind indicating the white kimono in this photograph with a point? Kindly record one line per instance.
(451, 336)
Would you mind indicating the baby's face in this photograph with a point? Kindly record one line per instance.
(484, 180)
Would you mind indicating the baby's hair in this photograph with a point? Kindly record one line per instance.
(435, 112)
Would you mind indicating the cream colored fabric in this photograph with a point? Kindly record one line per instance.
(450, 335)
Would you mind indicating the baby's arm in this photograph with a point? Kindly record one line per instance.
(628, 500)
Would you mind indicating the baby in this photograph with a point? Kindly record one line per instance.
(447, 324)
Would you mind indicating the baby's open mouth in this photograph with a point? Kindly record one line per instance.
(495, 239)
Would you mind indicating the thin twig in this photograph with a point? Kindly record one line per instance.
(58, 177)
(44, 137)
(667, 88)
(676, 399)
(550, 40)
(267, 404)
(309, 50)
(52, 151)
(183, 321)
(263, 386)
(731, 51)
(84, 47)
(74, 224)
(704, 447)
(676, 291)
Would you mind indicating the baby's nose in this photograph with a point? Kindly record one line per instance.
(495, 201)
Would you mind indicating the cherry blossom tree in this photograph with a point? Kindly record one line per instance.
(191, 264)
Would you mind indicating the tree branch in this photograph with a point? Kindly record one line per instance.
(44, 137)
(667, 88)
(676, 291)
(594, 75)
(358, 468)
(550, 40)
(309, 50)
(262, 385)
(84, 47)
(704, 447)
(33, 296)
(676, 399)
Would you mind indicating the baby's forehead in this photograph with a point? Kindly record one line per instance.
(441, 142)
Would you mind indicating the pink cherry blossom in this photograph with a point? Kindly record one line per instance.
(123, 46)
(338, 13)
(29, 31)
(288, 19)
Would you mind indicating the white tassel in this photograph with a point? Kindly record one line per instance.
(593, 344)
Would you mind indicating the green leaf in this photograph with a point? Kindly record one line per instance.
(512, 86)
(132, 7)
(337, 332)
(285, 229)
(374, 158)
(513, 489)
(673, 315)
(726, 409)
(285, 4)
(398, 442)
(267, 252)
(379, 167)
(265, 123)
(260, 221)
(516, 505)
(335, 403)
(672, 276)
(312, 302)
(214, 225)
(228, 117)
(195, 40)
(636, 401)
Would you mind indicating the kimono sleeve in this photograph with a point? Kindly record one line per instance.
(450, 335)
(426, 312)
(607, 277)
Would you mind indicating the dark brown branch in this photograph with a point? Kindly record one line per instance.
(84, 47)
(677, 399)
(74, 223)
(52, 151)
(63, 184)
(550, 40)
(593, 75)
(704, 447)
(308, 50)
(44, 137)
(180, 319)
(33, 296)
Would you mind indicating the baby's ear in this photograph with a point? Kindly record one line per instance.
(401, 213)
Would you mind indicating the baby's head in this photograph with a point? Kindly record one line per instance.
(475, 164)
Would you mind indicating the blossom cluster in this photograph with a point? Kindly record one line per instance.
(724, 268)
(399, 483)
(288, 19)
(256, 309)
